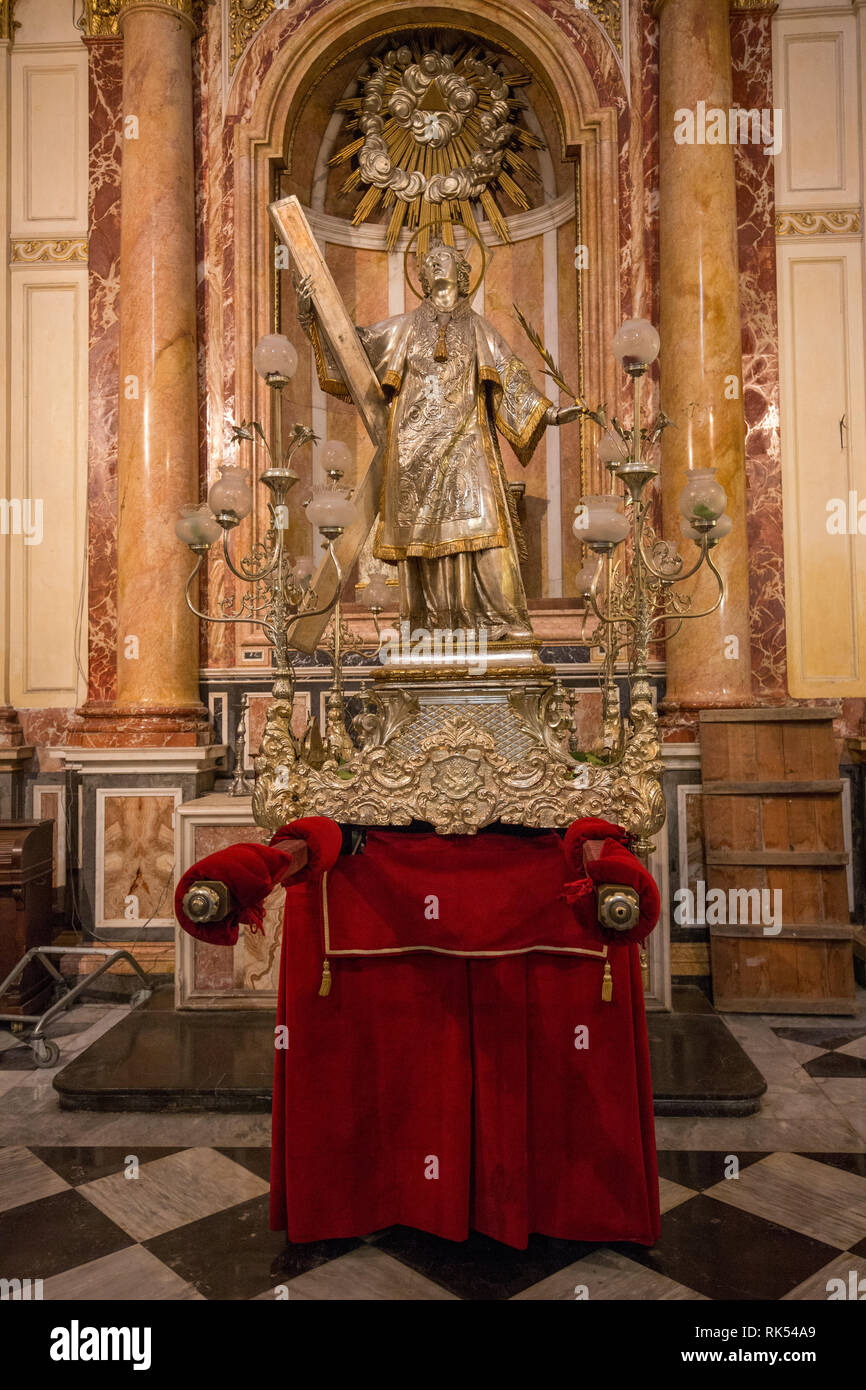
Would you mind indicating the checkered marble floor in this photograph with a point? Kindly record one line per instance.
(174, 1206)
(156, 1223)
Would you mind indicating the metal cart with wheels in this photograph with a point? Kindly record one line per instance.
(45, 1051)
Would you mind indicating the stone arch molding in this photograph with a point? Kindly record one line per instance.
(264, 112)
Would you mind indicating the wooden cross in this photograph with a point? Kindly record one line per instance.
(361, 381)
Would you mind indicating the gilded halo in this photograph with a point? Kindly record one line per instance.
(419, 231)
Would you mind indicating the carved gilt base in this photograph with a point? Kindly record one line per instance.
(462, 753)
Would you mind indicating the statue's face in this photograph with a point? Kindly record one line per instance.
(441, 266)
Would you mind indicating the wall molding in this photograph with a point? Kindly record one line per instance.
(337, 231)
(819, 222)
(246, 17)
(48, 250)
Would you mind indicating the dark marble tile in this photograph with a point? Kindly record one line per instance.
(295, 1259)
(699, 1068)
(161, 1001)
(701, 1168)
(165, 1060)
(826, 1035)
(258, 1160)
(227, 1255)
(837, 1064)
(79, 1165)
(725, 1253)
(859, 1249)
(54, 1234)
(158, 1060)
(481, 1268)
(689, 999)
(850, 1163)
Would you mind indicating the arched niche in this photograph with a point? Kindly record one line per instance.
(279, 77)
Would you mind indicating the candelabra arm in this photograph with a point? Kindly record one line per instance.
(213, 617)
(680, 618)
(250, 576)
(667, 618)
(332, 603)
(705, 613)
(680, 574)
(608, 619)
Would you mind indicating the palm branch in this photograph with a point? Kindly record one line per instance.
(598, 415)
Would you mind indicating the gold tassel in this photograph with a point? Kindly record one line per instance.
(607, 984)
(325, 986)
(441, 353)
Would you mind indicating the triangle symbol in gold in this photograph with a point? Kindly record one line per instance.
(433, 99)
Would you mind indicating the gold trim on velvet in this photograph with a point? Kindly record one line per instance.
(331, 951)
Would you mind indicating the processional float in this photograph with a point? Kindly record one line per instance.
(443, 737)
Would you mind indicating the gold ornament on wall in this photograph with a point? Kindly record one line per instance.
(820, 222)
(8, 22)
(101, 17)
(246, 17)
(54, 250)
(434, 134)
(609, 15)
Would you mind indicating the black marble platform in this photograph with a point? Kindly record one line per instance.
(157, 1059)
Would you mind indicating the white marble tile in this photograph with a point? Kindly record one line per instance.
(366, 1274)
(847, 1095)
(31, 1114)
(752, 1132)
(804, 1052)
(8, 1079)
(857, 1048)
(672, 1194)
(25, 1178)
(172, 1191)
(77, 1043)
(815, 1287)
(131, 1275)
(816, 1199)
(606, 1275)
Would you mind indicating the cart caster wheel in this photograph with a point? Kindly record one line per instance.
(45, 1053)
(141, 997)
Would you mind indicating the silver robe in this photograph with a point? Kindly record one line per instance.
(444, 490)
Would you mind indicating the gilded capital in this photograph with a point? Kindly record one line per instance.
(102, 17)
(734, 5)
(179, 7)
(7, 21)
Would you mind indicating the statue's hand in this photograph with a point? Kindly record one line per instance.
(563, 414)
(304, 292)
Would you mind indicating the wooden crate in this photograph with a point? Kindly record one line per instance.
(772, 805)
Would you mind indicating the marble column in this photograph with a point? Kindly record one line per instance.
(709, 663)
(157, 636)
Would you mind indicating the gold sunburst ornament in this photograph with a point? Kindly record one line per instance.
(437, 137)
